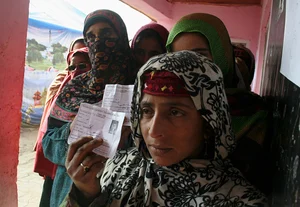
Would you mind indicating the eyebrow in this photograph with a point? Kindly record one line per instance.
(89, 33)
(106, 29)
(101, 30)
(169, 103)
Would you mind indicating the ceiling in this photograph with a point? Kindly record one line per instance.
(222, 2)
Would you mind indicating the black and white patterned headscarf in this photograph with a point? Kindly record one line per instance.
(132, 178)
(204, 82)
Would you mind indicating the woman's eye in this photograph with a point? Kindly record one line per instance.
(107, 34)
(90, 37)
(176, 113)
(204, 53)
(146, 112)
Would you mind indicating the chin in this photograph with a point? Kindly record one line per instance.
(163, 162)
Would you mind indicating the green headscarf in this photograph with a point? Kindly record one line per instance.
(246, 108)
(218, 38)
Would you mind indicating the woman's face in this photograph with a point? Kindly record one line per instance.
(145, 49)
(194, 42)
(172, 128)
(79, 63)
(100, 30)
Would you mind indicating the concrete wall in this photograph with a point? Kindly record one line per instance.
(14, 15)
(260, 52)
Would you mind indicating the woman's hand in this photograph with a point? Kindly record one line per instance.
(83, 165)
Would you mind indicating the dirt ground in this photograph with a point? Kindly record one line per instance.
(29, 183)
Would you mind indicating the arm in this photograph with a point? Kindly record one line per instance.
(86, 188)
(54, 142)
(76, 199)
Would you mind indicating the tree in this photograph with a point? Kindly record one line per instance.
(58, 51)
(34, 51)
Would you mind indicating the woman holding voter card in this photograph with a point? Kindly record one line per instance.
(106, 37)
(183, 136)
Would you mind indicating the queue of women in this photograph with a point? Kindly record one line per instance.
(196, 129)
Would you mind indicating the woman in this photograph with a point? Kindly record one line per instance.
(207, 35)
(150, 40)
(42, 165)
(106, 37)
(245, 61)
(55, 85)
(182, 143)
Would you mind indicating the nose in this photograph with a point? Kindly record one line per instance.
(97, 38)
(156, 127)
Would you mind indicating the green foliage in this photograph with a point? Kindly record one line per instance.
(58, 58)
(34, 49)
(58, 51)
(34, 55)
(36, 60)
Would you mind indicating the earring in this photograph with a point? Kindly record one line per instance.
(148, 129)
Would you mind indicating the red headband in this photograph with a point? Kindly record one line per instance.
(164, 83)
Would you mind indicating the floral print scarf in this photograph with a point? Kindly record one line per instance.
(111, 64)
(132, 178)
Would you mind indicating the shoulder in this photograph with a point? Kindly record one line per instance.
(124, 162)
(241, 190)
(123, 167)
(123, 157)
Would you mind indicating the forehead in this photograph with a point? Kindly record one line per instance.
(149, 43)
(99, 26)
(167, 100)
(189, 41)
(79, 57)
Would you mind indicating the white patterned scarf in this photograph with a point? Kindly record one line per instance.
(132, 178)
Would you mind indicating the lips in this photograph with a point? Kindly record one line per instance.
(158, 150)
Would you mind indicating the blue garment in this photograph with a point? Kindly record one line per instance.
(55, 148)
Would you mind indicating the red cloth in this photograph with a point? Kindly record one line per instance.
(42, 165)
(164, 83)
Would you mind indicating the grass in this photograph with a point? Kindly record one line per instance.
(46, 64)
